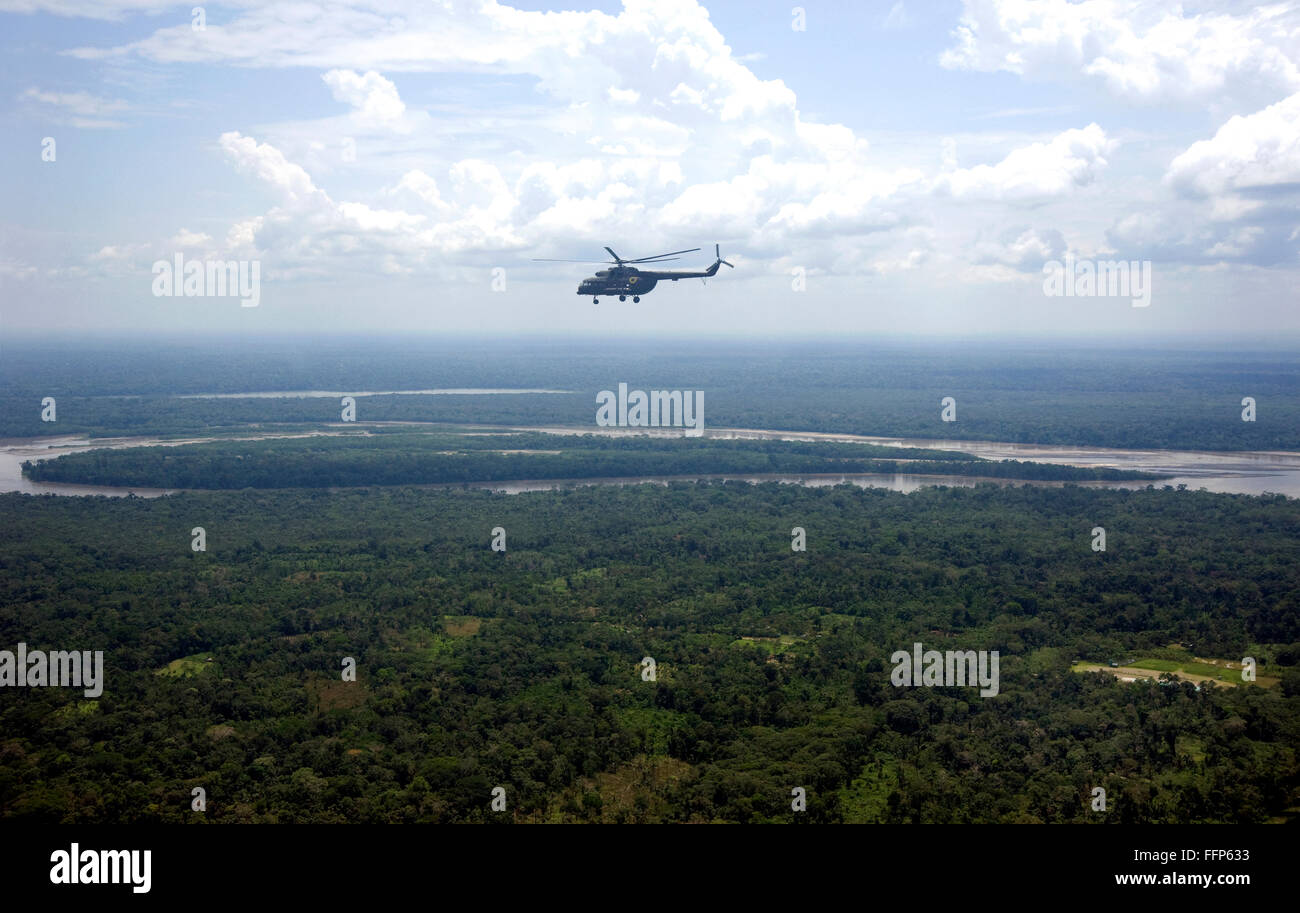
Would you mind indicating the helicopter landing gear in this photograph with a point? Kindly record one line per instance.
(622, 297)
(636, 299)
(595, 301)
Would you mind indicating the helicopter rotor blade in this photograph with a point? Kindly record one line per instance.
(671, 253)
(619, 261)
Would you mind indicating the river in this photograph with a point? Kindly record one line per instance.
(1240, 472)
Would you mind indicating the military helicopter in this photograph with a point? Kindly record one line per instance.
(625, 278)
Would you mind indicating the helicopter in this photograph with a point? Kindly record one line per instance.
(625, 278)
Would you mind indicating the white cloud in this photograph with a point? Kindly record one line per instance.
(1240, 190)
(641, 135)
(1248, 153)
(654, 130)
(185, 238)
(17, 270)
(1025, 249)
(1237, 244)
(374, 99)
(311, 233)
(1034, 172)
(1183, 233)
(292, 184)
(80, 109)
(118, 252)
(657, 131)
(1141, 49)
(423, 187)
(77, 102)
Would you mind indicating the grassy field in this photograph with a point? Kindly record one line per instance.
(771, 645)
(188, 666)
(1194, 669)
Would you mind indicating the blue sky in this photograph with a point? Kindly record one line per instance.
(893, 167)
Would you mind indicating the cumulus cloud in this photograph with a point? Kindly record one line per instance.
(1142, 49)
(648, 127)
(660, 132)
(1252, 153)
(1241, 191)
(309, 232)
(1021, 248)
(1036, 171)
(422, 187)
(290, 182)
(374, 99)
(1178, 236)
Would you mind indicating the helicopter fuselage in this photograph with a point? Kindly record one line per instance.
(623, 278)
(624, 281)
(628, 280)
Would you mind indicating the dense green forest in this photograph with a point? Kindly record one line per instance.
(521, 669)
(399, 459)
(1032, 393)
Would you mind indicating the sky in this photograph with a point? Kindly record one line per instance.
(871, 168)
